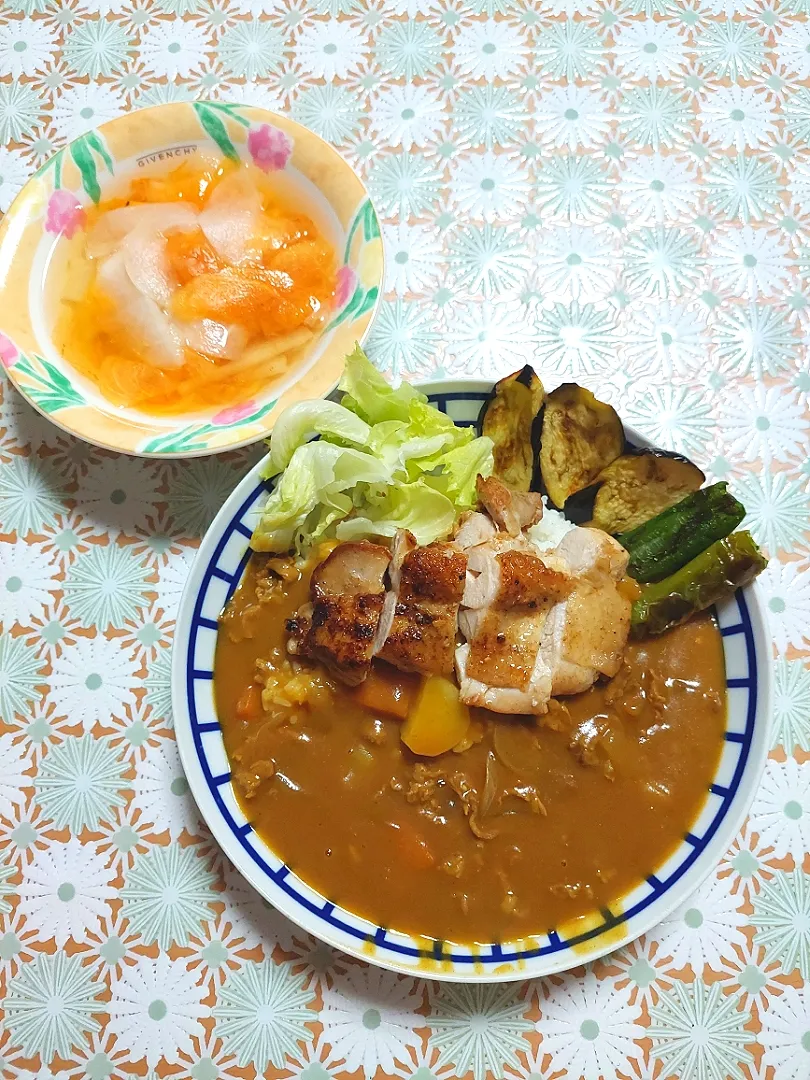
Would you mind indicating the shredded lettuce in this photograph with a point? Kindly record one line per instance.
(366, 392)
(299, 423)
(401, 448)
(459, 469)
(424, 511)
(313, 484)
(386, 460)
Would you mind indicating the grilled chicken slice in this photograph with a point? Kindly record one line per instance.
(473, 528)
(355, 568)
(338, 627)
(533, 698)
(508, 594)
(511, 510)
(593, 554)
(403, 544)
(511, 573)
(502, 645)
(418, 630)
(585, 635)
(506, 510)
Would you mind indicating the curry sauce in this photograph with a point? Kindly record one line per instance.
(531, 822)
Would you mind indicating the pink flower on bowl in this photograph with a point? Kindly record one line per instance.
(64, 214)
(233, 413)
(269, 147)
(9, 353)
(344, 286)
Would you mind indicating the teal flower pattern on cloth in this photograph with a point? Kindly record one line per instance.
(698, 1031)
(107, 587)
(261, 1012)
(81, 781)
(20, 675)
(30, 495)
(49, 1005)
(781, 918)
(792, 705)
(618, 193)
(158, 687)
(478, 1028)
(167, 894)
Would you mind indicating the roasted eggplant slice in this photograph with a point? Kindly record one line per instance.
(579, 438)
(637, 486)
(508, 419)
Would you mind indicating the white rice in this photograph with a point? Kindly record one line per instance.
(550, 530)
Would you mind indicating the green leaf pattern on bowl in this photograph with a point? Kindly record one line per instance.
(365, 226)
(46, 385)
(367, 219)
(362, 301)
(213, 126)
(83, 151)
(195, 436)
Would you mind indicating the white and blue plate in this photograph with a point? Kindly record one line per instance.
(217, 571)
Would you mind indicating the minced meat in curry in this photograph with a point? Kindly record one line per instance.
(527, 824)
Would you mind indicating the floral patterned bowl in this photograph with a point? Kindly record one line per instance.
(50, 210)
(217, 571)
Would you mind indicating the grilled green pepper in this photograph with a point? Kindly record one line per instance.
(712, 576)
(668, 541)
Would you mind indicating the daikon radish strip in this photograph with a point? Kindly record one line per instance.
(215, 339)
(276, 366)
(108, 233)
(267, 350)
(140, 316)
(272, 353)
(147, 265)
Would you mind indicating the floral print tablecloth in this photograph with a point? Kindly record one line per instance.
(615, 190)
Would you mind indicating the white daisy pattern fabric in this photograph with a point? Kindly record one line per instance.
(617, 191)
